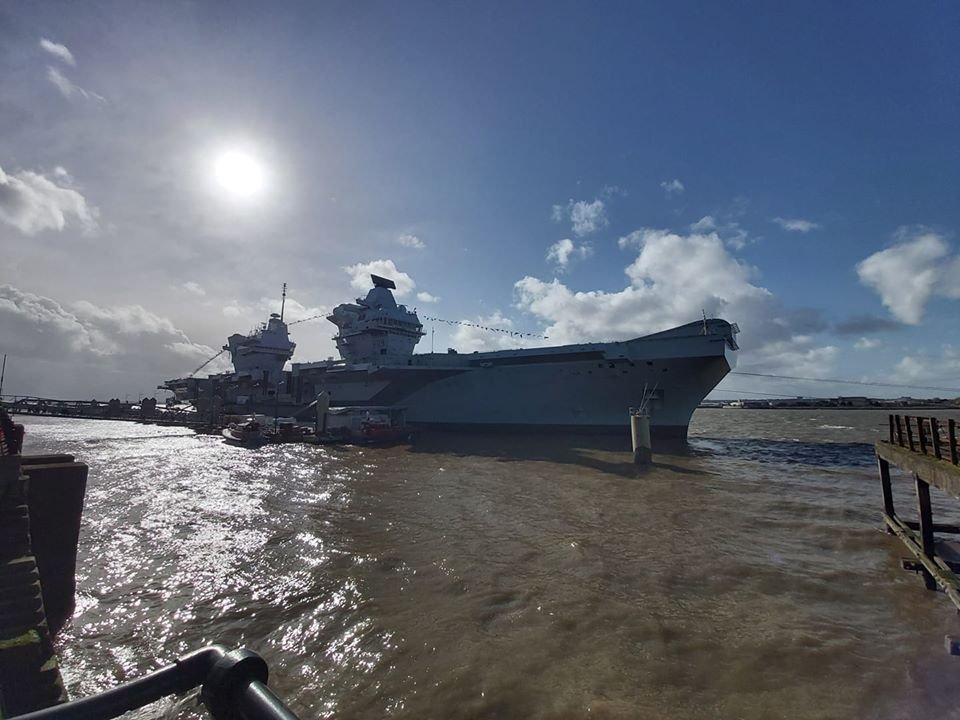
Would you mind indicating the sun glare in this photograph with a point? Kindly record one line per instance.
(239, 173)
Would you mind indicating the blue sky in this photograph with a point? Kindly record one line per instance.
(653, 147)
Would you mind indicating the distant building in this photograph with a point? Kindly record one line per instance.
(854, 401)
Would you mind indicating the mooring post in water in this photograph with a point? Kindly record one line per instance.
(640, 436)
(926, 527)
(886, 490)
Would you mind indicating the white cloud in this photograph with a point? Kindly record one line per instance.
(704, 224)
(194, 288)
(426, 297)
(909, 273)
(927, 368)
(89, 345)
(31, 202)
(796, 224)
(493, 332)
(585, 217)
(611, 191)
(562, 251)
(360, 276)
(731, 232)
(866, 343)
(411, 241)
(61, 52)
(70, 89)
(672, 187)
(672, 279)
(252, 313)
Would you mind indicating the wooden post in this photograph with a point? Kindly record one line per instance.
(926, 526)
(886, 490)
(952, 434)
(922, 434)
(899, 431)
(909, 432)
(640, 435)
(935, 433)
(890, 423)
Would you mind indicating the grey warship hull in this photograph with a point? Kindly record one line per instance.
(587, 387)
(578, 388)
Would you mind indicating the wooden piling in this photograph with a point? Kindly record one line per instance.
(885, 488)
(926, 526)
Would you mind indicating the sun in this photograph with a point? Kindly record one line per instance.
(240, 174)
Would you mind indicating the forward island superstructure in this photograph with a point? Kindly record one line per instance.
(587, 387)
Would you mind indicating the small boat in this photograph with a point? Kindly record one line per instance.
(366, 425)
(249, 434)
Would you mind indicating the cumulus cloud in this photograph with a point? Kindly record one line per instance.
(61, 52)
(90, 348)
(32, 202)
(731, 231)
(475, 335)
(563, 251)
(256, 312)
(932, 369)
(866, 343)
(70, 89)
(907, 274)
(426, 297)
(796, 224)
(704, 224)
(194, 288)
(411, 241)
(360, 276)
(585, 217)
(672, 187)
(672, 279)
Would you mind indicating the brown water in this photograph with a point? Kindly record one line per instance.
(507, 577)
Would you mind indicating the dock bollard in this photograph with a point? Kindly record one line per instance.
(640, 435)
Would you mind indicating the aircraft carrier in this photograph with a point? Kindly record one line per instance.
(588, 387)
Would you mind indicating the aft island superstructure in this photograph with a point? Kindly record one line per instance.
(587, 387)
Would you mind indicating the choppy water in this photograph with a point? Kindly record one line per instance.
(507, 577)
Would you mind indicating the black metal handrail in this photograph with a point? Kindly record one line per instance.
(233, 685)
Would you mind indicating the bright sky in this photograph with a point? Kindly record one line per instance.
(580, 170)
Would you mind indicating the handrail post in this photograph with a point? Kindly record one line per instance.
(935, 436)
(899, 430)
(890, 423)
(909, 432)
(952, 435)
(922, 433)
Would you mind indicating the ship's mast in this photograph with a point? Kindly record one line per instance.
(283, 301)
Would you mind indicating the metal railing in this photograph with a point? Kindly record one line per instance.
(233, 686)
(925, 435)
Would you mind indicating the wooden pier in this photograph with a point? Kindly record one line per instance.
(925, 448)
(143, 411)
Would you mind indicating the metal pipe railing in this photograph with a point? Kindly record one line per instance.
(233, 685)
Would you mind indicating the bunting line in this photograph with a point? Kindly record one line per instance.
(512, 333)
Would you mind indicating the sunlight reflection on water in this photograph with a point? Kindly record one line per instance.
(470, 578)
